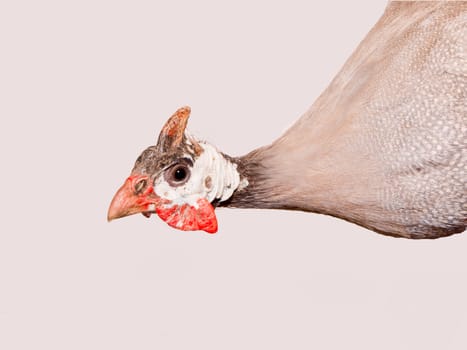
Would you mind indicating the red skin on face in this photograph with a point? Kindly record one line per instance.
(183, 217)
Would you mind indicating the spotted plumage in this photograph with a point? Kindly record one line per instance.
(384, 146)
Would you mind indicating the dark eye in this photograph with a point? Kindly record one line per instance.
(177, 175)
(180, 174)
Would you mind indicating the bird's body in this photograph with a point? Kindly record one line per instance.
(384, 146)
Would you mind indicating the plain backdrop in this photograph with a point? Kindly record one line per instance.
(85, 86)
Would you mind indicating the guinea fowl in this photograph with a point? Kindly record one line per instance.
(384, 146)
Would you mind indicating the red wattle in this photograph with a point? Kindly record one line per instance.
(188, 218)
(206, 216)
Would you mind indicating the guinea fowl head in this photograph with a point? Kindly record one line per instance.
(178, 178)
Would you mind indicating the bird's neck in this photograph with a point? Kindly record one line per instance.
(314, 178)
(240, 182)
(258, 189)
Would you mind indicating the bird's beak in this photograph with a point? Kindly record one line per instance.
(135, 196)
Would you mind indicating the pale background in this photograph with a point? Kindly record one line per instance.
(86, 85)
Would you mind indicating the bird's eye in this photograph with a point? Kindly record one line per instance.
(177, 175)
(180, 174)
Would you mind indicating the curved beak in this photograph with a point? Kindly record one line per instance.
(135, 196)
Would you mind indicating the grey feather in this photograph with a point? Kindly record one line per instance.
(385, 145)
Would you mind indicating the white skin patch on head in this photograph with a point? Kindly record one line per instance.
(212, 177)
